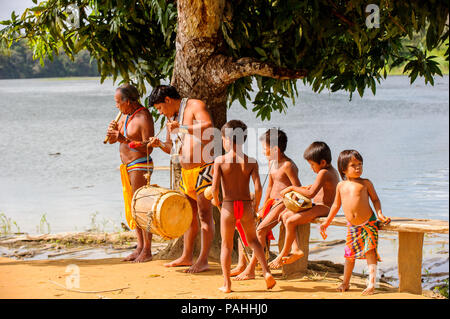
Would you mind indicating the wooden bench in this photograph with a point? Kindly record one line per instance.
(410, 232)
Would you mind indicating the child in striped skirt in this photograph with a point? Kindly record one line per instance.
(353, 193)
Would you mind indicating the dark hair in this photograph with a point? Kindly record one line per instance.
(128, 92)
(234, 129)
(160, 93)
(344, 158)
(275, 137)
(317, 152)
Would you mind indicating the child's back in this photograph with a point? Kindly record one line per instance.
(330, 179)
(235, 173)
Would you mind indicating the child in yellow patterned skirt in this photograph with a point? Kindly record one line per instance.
(353, 193)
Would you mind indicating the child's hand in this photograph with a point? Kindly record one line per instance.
(384, 220)
(323, 228)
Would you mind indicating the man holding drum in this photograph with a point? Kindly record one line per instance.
(136, 126)
(188, 119)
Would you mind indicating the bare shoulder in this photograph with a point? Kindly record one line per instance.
(195, 105)
(144, 116)
(366, 182)
(329, 175)
(324, 173)
(333, 174)
(289, 165)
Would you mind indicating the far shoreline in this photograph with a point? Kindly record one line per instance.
(395, 72)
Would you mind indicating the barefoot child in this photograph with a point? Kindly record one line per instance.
(322, 192)
(353, 194)
(282, 173)
(234, 170)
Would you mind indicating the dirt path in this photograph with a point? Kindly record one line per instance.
(36, 279)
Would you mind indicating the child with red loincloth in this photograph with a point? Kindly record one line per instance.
(234, 170)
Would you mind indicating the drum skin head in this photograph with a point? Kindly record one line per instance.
(164, 212)
(174, 214)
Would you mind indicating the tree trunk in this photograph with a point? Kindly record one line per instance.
(202, 71)
(196, 46)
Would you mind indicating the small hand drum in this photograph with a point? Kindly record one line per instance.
(296, 202)
(161, 211)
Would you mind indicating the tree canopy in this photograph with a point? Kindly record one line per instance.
(329, 44)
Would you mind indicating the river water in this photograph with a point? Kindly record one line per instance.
(57, 175)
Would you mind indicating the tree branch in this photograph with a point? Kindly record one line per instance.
(227, 71)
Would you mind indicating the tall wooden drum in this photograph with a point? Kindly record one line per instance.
(161, 211)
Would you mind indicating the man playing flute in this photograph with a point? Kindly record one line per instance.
(136, 126)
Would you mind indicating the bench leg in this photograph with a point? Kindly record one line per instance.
(301, 265)
(410, 262)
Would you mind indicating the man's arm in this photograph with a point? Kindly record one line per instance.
(217, 176)
(114, 134)
(146, 131)
(200, 117)
(165, 146)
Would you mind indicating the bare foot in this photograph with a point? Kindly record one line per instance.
(225, 289)
(270, 281)
(197, 267)
(343, 287)
(144, 256)
(179, 262)
(368, 291)
(293, 257)
(276, 263)
(133, 255)
(237, 270)
(245, 275)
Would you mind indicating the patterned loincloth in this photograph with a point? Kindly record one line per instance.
(361, 239)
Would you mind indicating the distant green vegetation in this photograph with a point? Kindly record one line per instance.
(17, 62)
(419, 39)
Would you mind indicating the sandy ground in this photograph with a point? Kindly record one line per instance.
(38, 279)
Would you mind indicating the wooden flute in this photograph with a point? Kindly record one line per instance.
(115, 120)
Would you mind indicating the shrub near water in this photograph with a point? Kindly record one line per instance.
(443, 290)
(6, 225)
